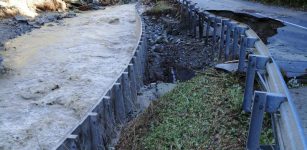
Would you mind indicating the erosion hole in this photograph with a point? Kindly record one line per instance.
(264, 27)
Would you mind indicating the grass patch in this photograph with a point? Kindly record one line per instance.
(160, 7)
(203, 113)
(300, 4)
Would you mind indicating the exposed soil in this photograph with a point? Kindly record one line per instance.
(264, 27)
(173, 56)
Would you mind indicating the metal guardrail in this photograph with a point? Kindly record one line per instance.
(232, 40)
(100, 125)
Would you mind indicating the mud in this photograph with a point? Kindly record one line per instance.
(173, 56)
(11, 28)
(58, 72)
(14, 26)
(264, 27)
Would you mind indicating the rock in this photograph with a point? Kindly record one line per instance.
(108, 2)
(21, 19)
(95, 7)
(178, 41)
(157, 48)
(50, 25)
(163, 88)
(114, 21)
(69, 15)
(228, 67)
(84, 8)
(40, 21)
(159, 40)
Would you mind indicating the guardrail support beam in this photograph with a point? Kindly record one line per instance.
(255, 63)
(263, 102)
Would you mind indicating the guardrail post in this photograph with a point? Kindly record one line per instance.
(192, 15)
(263, 102)
(201, 24)
(186, 16)
(255, 63)
(235, 42)
(217, 21)
(225, 26)
(222, 40)
(189, 17)
(182, 13)
(208, 23)
(246, 42)
(195, 20)
(242, 54)
(230, 26)
(256, 121)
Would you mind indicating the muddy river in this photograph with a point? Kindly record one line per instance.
(55, 74)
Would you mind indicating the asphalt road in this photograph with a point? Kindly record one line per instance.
(289, 46)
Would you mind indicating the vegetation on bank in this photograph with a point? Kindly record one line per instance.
(203, 113)
(160, 7)
(301, 4)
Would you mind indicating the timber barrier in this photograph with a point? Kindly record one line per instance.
(101, 125)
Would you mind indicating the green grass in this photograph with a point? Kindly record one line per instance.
(204, 113)
(160, 7)
(301, 4)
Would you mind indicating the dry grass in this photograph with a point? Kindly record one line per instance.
(51, 5)
(30, 7)
(8, 12)
(160, 7)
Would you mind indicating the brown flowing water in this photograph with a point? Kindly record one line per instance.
(57, 73)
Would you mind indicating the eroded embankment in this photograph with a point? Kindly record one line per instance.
(60, 71)
(202, 113)
(172, 55)
(264, 27)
